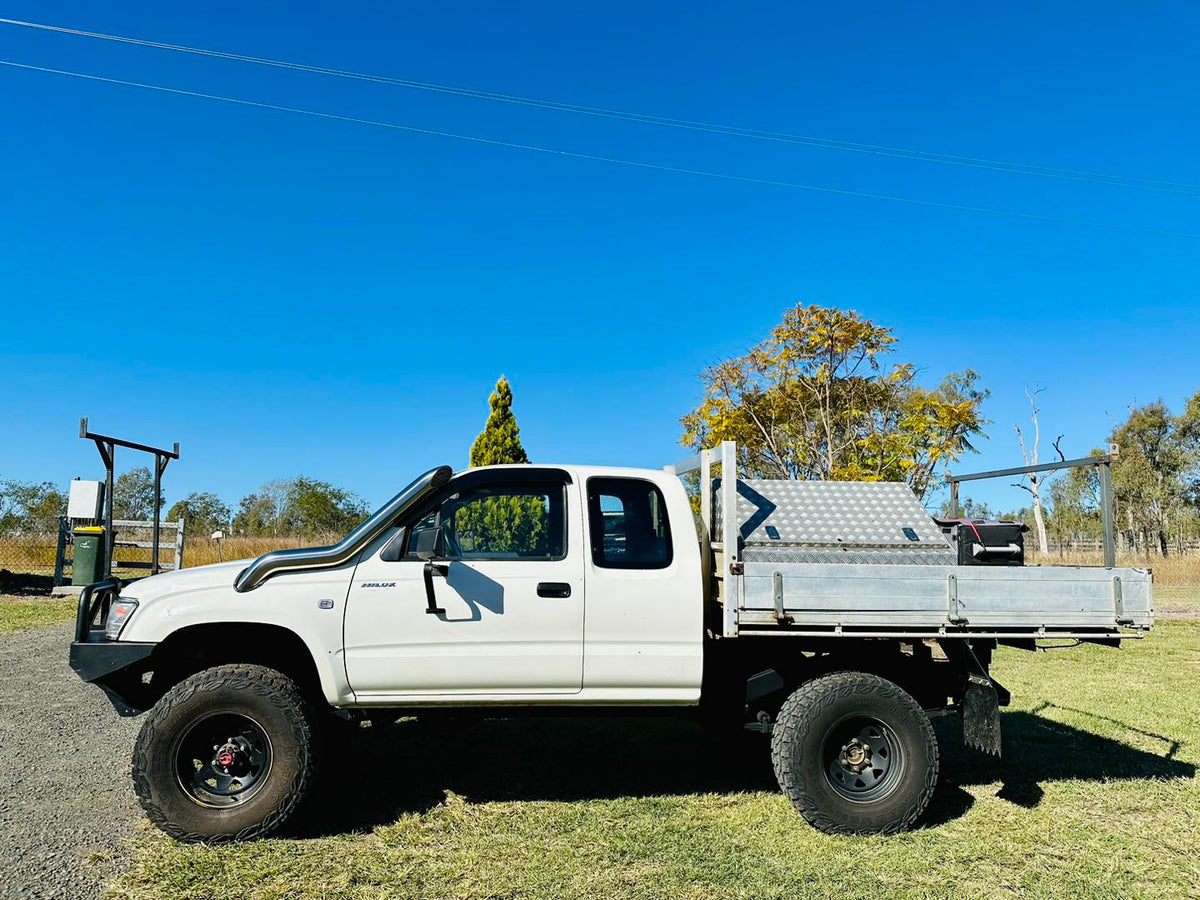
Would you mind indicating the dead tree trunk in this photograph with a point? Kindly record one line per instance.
(1034, 480)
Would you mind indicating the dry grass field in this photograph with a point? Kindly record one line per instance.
(36, 554)
(1170, 570)
(203, 551)
(27, 554)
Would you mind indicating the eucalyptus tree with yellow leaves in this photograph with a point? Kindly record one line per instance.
(815, 400)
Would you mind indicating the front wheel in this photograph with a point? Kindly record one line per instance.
(227, 754)
(855, 754)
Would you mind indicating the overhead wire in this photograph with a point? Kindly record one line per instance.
(572, 154)
(1018, 168)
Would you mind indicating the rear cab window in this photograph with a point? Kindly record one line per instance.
(627, 520)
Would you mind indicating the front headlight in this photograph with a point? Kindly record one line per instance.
(118, 614)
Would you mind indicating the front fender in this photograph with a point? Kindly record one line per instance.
(309, 604)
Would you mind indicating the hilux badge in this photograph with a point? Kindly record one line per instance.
(378, 584)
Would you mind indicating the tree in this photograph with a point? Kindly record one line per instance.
(1075, 503)
(1155, 479)
(317, 507)
(1035, 481)
(202, 513)
(503, 521)
(298, 506)
(1024, 515)
(1187, 429)
(813, 401)
(1158, 449)
(500, 441)
(133, 495)
(28, 507)
(967, 509)
(926, 430)
(260, 514)
(257, 516)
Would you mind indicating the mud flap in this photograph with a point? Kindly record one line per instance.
(982, 698)
(981, 715)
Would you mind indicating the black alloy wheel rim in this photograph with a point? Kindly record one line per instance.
(862, 759)
(223, 760)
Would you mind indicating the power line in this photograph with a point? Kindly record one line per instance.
(597, 158)
(1016, 168)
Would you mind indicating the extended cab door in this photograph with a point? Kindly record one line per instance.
(510, 581)
(645, 617)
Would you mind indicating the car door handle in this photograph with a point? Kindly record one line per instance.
(554, 589)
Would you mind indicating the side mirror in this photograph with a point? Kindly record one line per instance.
(429, 543)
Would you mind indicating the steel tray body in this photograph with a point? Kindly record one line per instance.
(1047, 599)
(821, 555)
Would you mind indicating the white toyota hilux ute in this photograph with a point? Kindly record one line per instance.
(536, 589)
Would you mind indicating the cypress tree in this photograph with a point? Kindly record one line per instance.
(500, 440)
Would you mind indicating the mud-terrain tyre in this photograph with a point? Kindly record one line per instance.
(855, 754)
(227, 754)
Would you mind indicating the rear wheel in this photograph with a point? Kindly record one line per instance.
(227, 754)
(855, 753)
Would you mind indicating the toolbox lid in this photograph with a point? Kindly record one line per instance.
(835, 515)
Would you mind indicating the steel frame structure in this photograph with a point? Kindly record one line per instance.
(106, 445)
(1102, 462)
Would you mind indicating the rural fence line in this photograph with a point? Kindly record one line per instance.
(1175, 546)
(33, 557)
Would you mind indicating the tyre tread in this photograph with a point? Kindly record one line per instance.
(269, 684)
(816, 696)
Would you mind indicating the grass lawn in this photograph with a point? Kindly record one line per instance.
(27, 611)
(1097, 795)
(1177, 600)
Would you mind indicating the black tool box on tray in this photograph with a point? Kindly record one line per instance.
(986, 543)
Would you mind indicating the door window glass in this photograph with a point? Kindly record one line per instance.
(506, 521)
(628, 524)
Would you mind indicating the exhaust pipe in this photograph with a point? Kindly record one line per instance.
(335, 554)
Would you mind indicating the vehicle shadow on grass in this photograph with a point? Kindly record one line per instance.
(410, 764)
(1038, 749)
(22, 584)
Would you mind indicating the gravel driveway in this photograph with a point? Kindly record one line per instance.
(66, 802)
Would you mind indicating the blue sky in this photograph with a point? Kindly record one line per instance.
(288, 295)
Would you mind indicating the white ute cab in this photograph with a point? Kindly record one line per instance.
(541, 589)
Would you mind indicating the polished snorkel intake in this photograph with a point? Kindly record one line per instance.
(335, 554)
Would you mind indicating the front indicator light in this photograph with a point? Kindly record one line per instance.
(118, 615)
